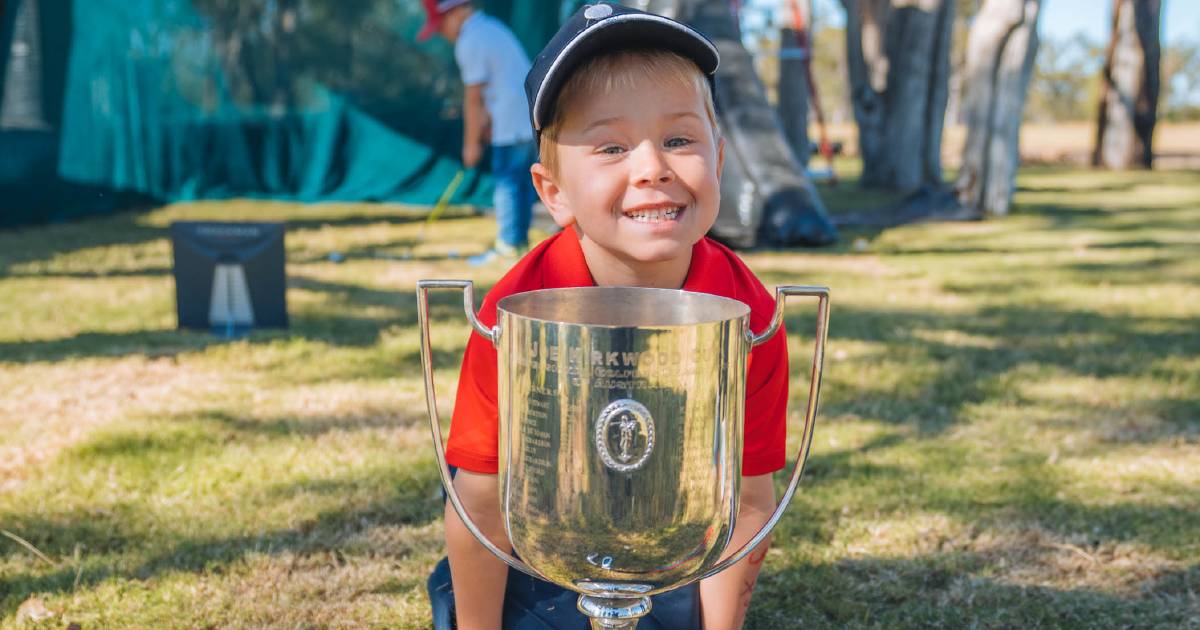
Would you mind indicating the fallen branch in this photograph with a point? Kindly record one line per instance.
(26, 544)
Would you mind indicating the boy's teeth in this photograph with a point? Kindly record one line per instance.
(654, 216)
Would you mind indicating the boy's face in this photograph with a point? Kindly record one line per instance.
(451, 24)
(638, 174)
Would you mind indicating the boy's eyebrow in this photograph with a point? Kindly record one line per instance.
(600, 123)
(612, 119)
(689, 114)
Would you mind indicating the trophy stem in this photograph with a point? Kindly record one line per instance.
(614, 613)
(614, 624)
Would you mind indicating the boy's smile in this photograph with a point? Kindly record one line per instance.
(638, 175)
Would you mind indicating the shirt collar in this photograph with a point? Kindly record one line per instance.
(565, 266)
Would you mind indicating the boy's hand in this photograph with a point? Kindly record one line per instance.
(471, 154)
(478, 577)
(725, 597)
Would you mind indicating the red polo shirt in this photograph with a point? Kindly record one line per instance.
(558, 262)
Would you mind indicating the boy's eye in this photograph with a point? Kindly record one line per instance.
(677, 142)
(612, 149)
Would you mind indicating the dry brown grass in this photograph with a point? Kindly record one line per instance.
(51, 406)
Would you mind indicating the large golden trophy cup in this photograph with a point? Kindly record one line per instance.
(621, 414)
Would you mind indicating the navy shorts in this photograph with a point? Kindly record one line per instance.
(533, 604)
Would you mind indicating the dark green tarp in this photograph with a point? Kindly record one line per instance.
(166, 100)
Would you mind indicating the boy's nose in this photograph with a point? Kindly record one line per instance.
(650, 167)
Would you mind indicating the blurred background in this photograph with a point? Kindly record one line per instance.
(112, 105)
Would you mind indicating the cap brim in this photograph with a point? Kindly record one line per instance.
(431, 27)
(621, 32)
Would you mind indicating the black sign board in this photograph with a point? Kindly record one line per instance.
(229, 277)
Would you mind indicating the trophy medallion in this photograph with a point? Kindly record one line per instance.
(625, 435)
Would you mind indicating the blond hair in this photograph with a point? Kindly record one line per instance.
(621, 71)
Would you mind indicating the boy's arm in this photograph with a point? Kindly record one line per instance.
(475, 122)
(477, 576)
(725, 597)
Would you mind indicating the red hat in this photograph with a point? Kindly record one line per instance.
(435, 12)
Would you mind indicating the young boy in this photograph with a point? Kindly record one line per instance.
(493, 66)
(630, 162)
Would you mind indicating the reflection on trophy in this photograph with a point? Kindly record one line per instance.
(621, 413)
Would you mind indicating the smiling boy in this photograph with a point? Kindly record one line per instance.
(630, 162)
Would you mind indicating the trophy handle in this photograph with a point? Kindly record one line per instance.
(810, 412)
(492, 335)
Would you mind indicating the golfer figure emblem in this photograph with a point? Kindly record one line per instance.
(625, 435)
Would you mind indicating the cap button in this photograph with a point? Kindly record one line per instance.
(598, 11)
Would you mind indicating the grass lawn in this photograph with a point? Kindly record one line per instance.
(1009, 433)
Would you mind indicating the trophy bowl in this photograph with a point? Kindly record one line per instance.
(620, 435)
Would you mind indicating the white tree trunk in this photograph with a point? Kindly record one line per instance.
(1129, 87)
(1000, 51)
(899, 61)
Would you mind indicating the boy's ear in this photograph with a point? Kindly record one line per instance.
(553, 196)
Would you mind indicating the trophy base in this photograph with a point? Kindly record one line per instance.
(614, 613)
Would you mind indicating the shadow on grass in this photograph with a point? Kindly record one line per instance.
(840, 465)
(940, 588)
(956, 581)
(1097, 276)
(947, 377)
(957, 590)
(1177, 250)
(329, 324)
(141, 539)
(946, 588)
(1125, 186)
(45, 242)
(143, 272)
(363, 419)
(98, 534)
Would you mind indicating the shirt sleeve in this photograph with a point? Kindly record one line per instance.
(472, 58)
(474, 428)
(765, 448)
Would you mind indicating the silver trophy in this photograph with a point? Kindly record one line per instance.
(620, 443)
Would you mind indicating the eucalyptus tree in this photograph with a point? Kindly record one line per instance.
(1128, 108)
(898, 54)
(1001, 47)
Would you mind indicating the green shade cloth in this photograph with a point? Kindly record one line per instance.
(306, 100)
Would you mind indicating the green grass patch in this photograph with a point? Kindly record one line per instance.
(1009, 433)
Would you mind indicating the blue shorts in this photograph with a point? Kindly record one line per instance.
(533, 604)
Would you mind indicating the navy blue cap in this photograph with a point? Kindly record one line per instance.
(602, 28)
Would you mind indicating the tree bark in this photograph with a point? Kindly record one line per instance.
(899, 61)
(793, 93)
(1000, 51)
(1129, 87)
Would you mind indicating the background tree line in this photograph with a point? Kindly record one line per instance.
(1065, 85)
